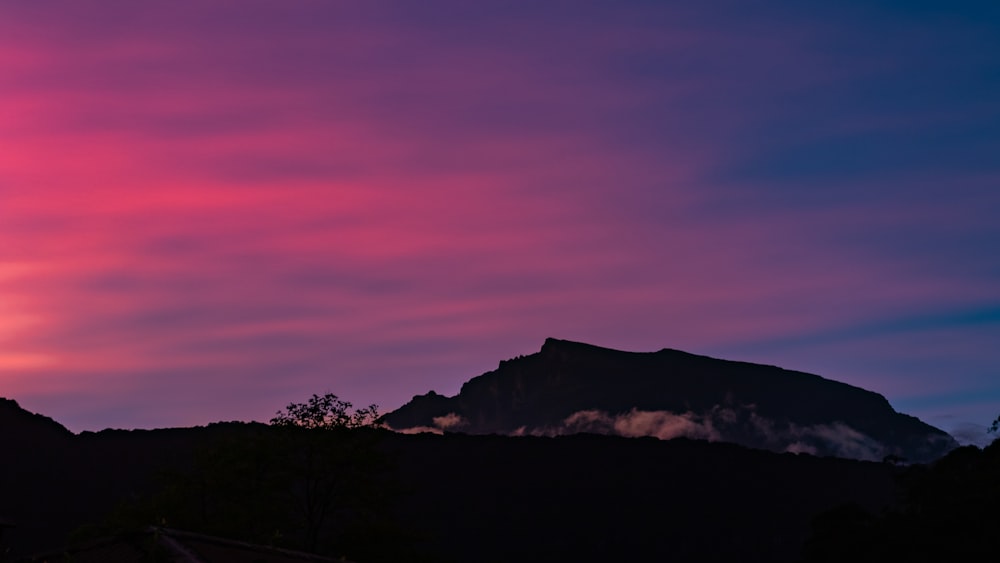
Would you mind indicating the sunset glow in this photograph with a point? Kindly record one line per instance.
(208, 210)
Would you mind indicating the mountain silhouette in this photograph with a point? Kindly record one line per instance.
(456, 497)
(484, 498)
(570, 387)
(31, 428)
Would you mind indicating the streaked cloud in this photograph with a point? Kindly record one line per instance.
(379, 200)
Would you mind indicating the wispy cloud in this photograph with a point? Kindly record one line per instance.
(742, 425)
(387, 200)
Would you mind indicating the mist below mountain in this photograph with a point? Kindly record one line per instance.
(570, 387)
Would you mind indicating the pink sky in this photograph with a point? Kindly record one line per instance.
(209, 212)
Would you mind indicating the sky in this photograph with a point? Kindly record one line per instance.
(211, 209)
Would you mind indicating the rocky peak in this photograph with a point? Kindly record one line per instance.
(569, 387)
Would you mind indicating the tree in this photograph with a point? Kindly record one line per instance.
(326, 412)
(315, 479)
(329, 454)
(306, 481)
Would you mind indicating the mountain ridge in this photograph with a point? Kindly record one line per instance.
(569, 387)
(31, 426)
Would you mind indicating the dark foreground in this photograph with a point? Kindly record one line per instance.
(377, 496)
(457, 497)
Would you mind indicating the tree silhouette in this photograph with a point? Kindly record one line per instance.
(329, 454)
(327, 412)
(314, 479)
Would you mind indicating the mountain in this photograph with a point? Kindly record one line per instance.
(571, 387)
(32, 464)
(31, 428)
(456, 497)
(484, 498)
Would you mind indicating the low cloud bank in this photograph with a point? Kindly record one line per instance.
(636, 423)
(448, 423)
(838, 439)
(739, 425)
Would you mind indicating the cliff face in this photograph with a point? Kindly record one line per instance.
(570, 387)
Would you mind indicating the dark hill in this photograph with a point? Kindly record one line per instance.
(570, 387)
(592, 498)
(583, 498)
(31, 427)
(53, 481)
